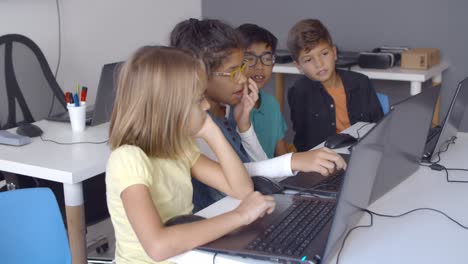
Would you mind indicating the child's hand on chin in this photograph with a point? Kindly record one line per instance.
(242, 110)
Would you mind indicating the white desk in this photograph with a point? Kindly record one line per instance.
(68, 164)
(416, 77)
(421, 237)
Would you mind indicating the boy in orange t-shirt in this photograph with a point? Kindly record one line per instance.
(326, 100)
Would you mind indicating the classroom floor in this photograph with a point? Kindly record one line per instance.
(97, 235)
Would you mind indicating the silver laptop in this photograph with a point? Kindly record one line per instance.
(311, 230)
(102, 109)
(404, 148)
(313, 235)
(439, 138)
(314, 182)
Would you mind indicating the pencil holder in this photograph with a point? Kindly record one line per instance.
(77, 117)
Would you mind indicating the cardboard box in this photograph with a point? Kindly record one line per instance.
(420, 58)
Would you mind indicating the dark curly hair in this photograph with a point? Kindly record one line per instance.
(252, 33)
(210, 40)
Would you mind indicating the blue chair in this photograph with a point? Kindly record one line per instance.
(383, 99)
(31, 228)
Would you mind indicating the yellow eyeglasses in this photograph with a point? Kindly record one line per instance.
(234, 74)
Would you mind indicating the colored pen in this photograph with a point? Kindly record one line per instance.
(67, 99)
(77, 88)
(77, 101)
(70, 98)
(84, 92)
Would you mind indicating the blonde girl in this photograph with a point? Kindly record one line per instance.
(159, 109)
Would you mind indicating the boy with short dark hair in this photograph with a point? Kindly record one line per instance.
(266, 116)
(326, 100)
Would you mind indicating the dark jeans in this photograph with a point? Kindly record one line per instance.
(204, 195)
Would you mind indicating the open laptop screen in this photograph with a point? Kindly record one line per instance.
(454, 117)
(363, 167)
(382, 159)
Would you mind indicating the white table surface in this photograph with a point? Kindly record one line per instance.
(61, 163)
(415, 77)
(393, 74)
(68, 164)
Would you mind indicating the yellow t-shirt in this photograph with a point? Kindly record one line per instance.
(168, 181)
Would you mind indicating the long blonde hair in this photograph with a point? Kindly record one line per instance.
(156, 88)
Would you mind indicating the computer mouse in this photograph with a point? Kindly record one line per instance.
(183, 219)
(29, 130)
(340, 141)
(266, 186)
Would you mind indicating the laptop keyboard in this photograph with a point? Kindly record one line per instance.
(295, 229)
(331, 183)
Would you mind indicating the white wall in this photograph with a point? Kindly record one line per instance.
(94, 32)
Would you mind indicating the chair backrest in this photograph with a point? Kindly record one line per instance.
(383, 99)
(31, 228)
(28, 89)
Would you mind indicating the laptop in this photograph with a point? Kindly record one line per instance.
(405, 147)
(440, 136)
(315, 183)
(105, 97)
(305, 229)
(315, 240)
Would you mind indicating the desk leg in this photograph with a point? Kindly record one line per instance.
(74, 206)
(415, 88)
(436, 119)
(437, 79)
(279, 84)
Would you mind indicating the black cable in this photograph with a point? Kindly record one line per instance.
(415, 210)
(74, 143)
(349, 232)
(456, 169)
(59, 56)
(371, 213)
(357, 131)
(448, 142)
(438, 167)
(214, 257)
(447, 174)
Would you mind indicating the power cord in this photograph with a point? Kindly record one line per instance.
(371, 214)
(359, 129)
(349, 232)
(73, 143)
(438, 167)
(59, 56)
(214, 257)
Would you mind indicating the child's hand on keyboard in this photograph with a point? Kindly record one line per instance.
(254, 206)
(324, 161)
